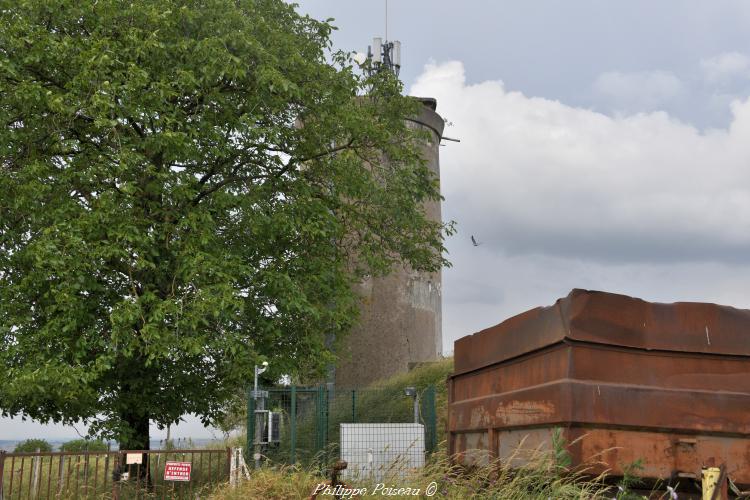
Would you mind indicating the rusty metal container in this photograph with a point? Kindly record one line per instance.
(623, 379)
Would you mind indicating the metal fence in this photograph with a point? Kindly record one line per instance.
(311, 416)
(381, 452)
(106, 474)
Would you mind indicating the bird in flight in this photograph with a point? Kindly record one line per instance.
(474, 242)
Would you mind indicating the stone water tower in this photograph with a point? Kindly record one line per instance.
(400, 321)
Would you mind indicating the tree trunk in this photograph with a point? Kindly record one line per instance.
(137, 440)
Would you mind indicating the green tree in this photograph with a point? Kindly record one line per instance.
(32, 445)
(188, 187)
(81, 445)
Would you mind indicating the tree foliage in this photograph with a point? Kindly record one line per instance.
(32, 445)
(82, 445)
(188, 187)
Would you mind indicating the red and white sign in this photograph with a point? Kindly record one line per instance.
(177, 471)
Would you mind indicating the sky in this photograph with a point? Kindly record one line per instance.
(603, 146)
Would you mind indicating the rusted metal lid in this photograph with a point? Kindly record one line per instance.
(610, 319)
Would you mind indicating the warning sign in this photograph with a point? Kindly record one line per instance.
(177, 471)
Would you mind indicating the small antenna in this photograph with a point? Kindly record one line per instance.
(382, 54)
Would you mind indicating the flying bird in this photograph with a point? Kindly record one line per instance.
(474, 242)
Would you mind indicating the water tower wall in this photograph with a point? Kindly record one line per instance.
(400, 321)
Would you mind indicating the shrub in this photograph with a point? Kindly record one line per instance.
(31, 445)
(81, 445)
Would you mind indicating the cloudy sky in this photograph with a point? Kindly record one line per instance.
(604, 145)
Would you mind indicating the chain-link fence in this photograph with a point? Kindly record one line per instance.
(310, 417)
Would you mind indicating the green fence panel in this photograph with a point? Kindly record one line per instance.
(293, 426)
(429, 417)
(310, 419)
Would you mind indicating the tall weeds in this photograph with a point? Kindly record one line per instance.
(538, 475)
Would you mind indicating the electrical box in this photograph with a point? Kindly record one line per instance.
(269, 423)
(274, 427)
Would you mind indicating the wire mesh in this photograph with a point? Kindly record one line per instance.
(378, 452)
(311, 418)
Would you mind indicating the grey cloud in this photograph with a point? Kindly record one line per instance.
(639, 91)
(724, 68)
(538, 176)
(614, 246)
(527, 281)
(464, 290)
(557, 50)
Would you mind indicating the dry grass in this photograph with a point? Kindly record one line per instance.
(272, 483)
(539, 478)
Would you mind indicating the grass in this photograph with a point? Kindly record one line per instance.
(66, 476)
(272, 483)
(540, 478)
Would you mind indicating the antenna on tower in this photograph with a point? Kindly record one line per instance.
(386, 19)
(384, 55)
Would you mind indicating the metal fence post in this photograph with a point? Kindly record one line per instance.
(327, 400)
(293, 425)
(2, 472)
(319, 420)
(354, 405)
(322, 420)
(250, 424)
(429, 414)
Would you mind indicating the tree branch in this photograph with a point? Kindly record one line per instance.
(328, 152)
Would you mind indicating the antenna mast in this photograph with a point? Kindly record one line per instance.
(384, 56)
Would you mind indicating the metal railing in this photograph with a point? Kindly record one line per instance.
(106, 474)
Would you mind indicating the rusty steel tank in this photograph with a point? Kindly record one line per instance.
(400, 322)
(618, 378)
